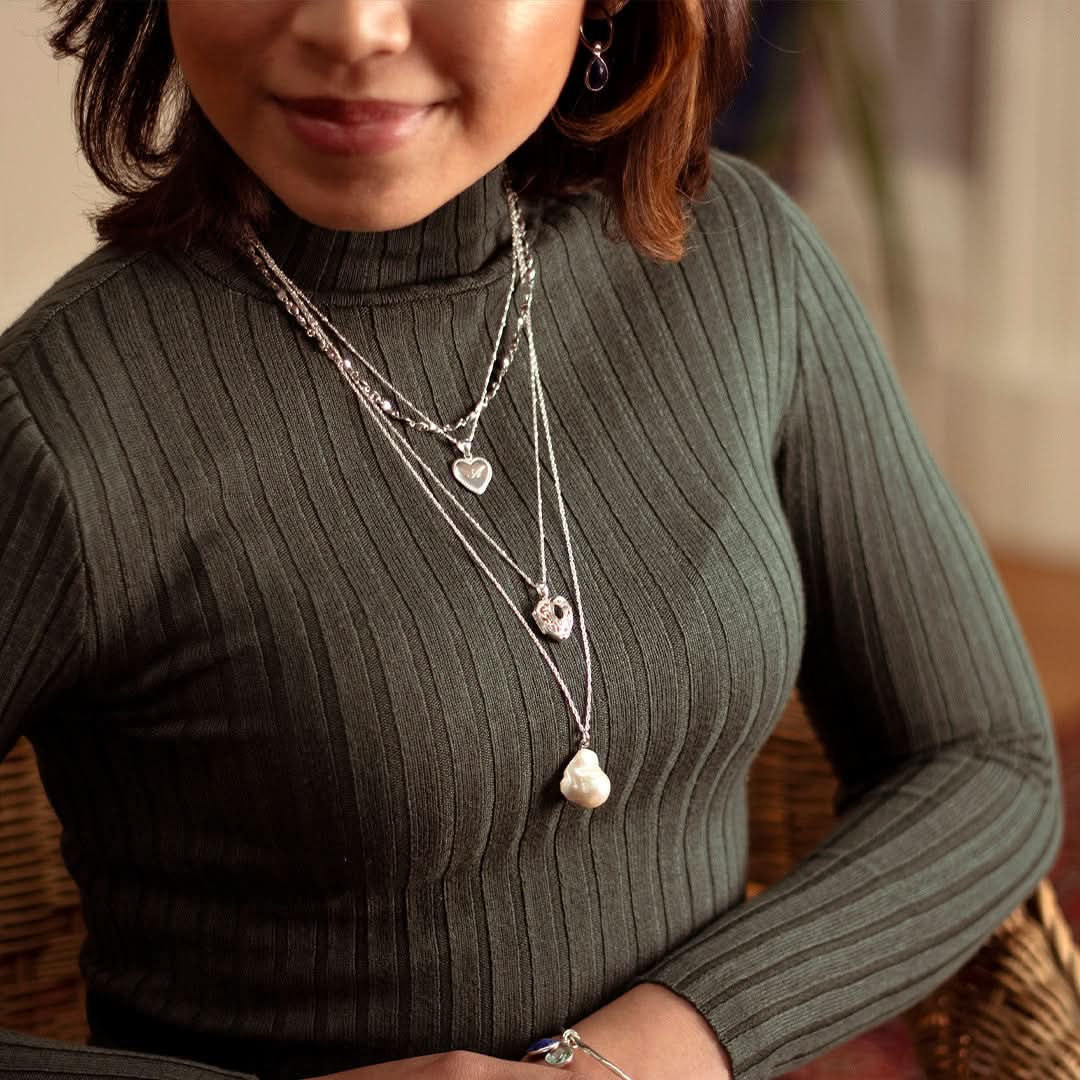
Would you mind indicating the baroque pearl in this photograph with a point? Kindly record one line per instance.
(584, 783)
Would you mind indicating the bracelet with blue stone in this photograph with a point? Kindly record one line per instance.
(559, 1050)
(553, 1049)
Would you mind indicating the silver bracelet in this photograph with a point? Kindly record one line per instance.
(559, 1050)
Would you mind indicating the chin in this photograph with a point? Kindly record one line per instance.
(362, 209)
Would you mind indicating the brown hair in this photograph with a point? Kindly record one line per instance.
(644, 140)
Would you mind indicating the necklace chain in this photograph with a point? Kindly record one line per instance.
(302, 309)
(522, 268)
(295, 299)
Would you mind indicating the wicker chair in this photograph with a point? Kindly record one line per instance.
(1011, 1013)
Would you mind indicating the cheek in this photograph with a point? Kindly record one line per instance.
(217, 43)
(512, 57)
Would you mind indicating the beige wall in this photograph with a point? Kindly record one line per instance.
(995, 230)
(45, 187)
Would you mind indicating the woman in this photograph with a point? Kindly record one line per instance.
(362, 768)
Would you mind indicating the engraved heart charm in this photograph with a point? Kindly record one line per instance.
(554, 616)
(473, 473)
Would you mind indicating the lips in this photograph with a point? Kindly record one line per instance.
(336, 126)
(352, 112)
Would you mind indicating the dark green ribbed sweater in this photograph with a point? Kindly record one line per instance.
(307, 760)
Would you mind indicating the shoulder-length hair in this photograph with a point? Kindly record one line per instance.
(643, 141)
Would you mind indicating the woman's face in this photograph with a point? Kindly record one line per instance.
(470, 81)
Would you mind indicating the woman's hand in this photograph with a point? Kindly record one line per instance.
(459, 1065)
(651, 1033)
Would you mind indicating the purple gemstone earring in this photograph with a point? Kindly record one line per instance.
(596, 74)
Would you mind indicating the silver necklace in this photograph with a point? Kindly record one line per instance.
(552, 614)
(470, 470)
(583, 782)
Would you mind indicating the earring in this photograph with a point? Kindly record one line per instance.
(596, 74)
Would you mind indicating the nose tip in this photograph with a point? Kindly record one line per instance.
(351, 30)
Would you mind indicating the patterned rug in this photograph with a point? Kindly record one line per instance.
(886, 1053)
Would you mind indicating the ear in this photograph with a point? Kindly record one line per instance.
(597, 9)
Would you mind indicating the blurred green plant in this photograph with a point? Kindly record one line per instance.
(827, 41)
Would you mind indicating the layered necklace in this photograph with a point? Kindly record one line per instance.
(583, 782)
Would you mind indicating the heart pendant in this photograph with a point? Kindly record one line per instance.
(473, 473)
(554, 616)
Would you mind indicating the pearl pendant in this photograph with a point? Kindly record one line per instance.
(584, 783)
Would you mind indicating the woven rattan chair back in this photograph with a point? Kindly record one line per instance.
(1012, 1012)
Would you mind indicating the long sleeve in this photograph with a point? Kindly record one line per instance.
(42, 611)
(918, 683)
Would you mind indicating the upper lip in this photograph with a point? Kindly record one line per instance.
(346, 110)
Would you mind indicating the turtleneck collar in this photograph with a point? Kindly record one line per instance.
(463, 243)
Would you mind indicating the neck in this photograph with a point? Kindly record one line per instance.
(467, 239)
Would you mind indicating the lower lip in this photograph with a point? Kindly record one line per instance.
(367, 137)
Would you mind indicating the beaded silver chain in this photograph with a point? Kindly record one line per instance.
(583, 783)
(470, 470)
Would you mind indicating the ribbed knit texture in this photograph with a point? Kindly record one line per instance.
(307, 760)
